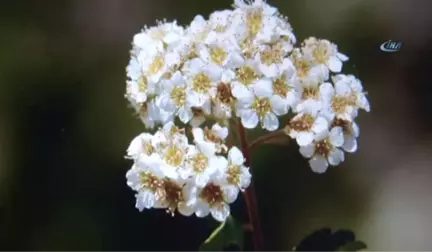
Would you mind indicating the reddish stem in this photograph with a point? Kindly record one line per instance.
(249, 195)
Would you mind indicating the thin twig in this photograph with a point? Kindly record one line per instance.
(265, 138)
(250, 198)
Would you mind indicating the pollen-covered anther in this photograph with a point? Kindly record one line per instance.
(322, 52)
(150, 181)
(254, 21)
(281, 87)
(273, 55)
(178, 95)
(323, 147)
(303, 123)
(212, 194)
(200, 163)
(233, 174)
(142, 83)
(212, 137)
(310, 93)
(148, 148)
(201, 83)
(173, 194)
(339, 103)
(261, 106)
(246, 75)
(156, 65)
(174, 156)
(302, 66)
(176, 130)
(218, 55)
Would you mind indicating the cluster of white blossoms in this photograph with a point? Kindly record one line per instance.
(201, 178)
(240, 64)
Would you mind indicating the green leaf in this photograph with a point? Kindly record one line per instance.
(353, 246)
(228, 233)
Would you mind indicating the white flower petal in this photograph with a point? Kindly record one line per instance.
(145, 200)
(230, 192)
(235, 156)
(326, 91)
(270, 122)
(335, 64)
(350, 144)
(185, 115)
(202, 210)
(244, 96)
(249, 118)
(263, 88)
(279, 105)
(304, 138)
(198, 134)
(356, 129)
(318, 164)
(185, 209)
(342, 56)
(342, 88)
(207, 148)
(336, 157)
(320, 125)
(308, 150)
(221, 132)
(220, 213)
(336, 136)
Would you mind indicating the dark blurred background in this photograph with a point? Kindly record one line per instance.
(65, 126)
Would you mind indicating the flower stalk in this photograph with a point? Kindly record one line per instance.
(250, 196)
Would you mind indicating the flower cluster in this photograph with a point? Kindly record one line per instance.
(240, 64)
(199, 178)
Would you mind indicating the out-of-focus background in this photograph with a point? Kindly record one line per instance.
(65, 126)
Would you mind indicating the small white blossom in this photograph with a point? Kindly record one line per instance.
(215, 136)
(325, 150)
(324, 53)
(305, 126)
(145, 177)
(213, 199)
(235, 175)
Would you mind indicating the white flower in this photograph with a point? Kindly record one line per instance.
(215, 136)
(305, 126)
(213, 198)
(235, 175)
(202, 163)
(359, 96)
(312, 95)
(198, 30)
(141, 144)
(259, 105)
(177, 194)
(344, 100)
(324, 53)
(224, 54)
(307, 69)
(202, 80)
(175, 98)
(139, 87)
(145, 177)
(351, 132)
(165, 34)
(325, 150)
(285, 90)
(259, 18)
